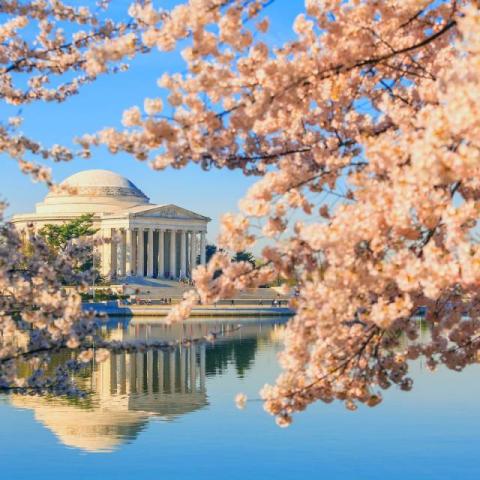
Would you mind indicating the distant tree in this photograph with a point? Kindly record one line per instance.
(211, 250)
(57, 236)
(239, 352)
(244, 256)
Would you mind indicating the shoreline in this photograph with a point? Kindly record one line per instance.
(114, 310)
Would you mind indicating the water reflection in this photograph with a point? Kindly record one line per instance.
(130, 389)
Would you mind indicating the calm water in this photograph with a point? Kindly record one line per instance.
(171, 415)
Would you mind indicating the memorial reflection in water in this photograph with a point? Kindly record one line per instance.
(130, 389)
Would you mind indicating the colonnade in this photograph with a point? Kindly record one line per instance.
(152, 252)
(181, 370)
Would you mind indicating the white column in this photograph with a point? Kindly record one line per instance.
(131, 252)
(123, 373)
(172, 371)
(183, 254)
(193, 252)
(113, 254)
(106, 252)
(203, 249)
(160, 371)
(140, 259)
(173, 254)
(150, 367)
(123, 252)
(150, 253)
(161, 253)
(193, 367)
(183, 354)
(139, 363)
(203, 367)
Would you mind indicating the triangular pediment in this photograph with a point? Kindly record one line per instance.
(166, 211)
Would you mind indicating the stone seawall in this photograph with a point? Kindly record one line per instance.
(116, 310)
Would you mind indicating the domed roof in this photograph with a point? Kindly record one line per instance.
(98, 178)
(96, 429)
(93, 191)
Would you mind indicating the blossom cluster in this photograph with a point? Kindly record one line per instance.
(364, 132)
(48, 51)
(38, 316)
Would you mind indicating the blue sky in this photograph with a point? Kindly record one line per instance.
(101, 104)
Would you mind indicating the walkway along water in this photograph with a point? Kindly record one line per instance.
(115, 308)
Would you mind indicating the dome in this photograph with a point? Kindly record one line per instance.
(96, 429)
(93, 191)
(99, 179)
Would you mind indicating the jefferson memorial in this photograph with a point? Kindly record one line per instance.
(146, 240)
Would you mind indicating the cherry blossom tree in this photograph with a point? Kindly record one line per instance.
(364, 133)
(48, 51)
(39, 317)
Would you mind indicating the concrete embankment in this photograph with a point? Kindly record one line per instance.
(115, 309)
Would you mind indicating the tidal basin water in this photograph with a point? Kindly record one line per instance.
(172, 415)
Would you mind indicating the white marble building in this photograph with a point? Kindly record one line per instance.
(164, 241)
